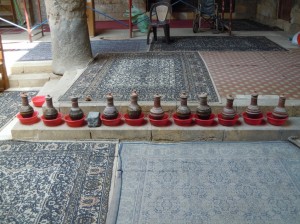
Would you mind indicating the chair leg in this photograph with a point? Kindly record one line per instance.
(154, 28)
(148, 34)
(196, 23)
(167, 33)
(216, 26)
(200, 21)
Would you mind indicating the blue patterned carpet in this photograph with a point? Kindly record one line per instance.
(43, 50)
(55, 182)
(217, 43)
(210, 183)
(166, 73)
(10, 102)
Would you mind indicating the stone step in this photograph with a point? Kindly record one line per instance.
(20, 67)
(50, 87)
(29, 80)
(171, 133)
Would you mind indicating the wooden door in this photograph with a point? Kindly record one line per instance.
(284, 9)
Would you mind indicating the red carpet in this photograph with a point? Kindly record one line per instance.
(110, 25)
(13, 30)
(10, 30)
(102, 25)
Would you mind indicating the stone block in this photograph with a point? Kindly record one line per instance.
(251, 135)
(123, 132)
(265, 132)
(13, 83)
(42, 66)
(22, 134)
(93, 119)
(39, 131)
(16, 68)
(176, 133)
(64, 133)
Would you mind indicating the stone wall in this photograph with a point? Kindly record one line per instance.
(295, 21)
(115, 8)
(267, 13)
(264, 11)
(245, 9)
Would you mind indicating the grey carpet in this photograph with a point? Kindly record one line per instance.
(250, 25)
(43, 50)
(10, 102)
(218, 183)
(55, 182)
(216, 43)
(165, 73)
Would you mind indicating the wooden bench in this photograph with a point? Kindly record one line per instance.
(4, 83)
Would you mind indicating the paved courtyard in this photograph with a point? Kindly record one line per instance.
(199, 182)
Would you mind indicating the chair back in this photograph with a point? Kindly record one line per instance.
(208, 7)
(160, 12)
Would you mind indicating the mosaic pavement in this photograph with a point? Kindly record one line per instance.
(55, 182)
(216, 43)
(235, 183)
(43, 50)
(165, 73)
(10, 102)
(269, 73)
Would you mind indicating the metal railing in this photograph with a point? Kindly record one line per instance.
(28, 28)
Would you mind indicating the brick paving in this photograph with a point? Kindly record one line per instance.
(269, 73)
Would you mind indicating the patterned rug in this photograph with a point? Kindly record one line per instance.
(250, 25)
(210, 183)
(10, 102)
(165, 73)
(216, 43)
(55, 182)
(43, 50)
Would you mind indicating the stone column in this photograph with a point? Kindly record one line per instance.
(71, 48)
(295, 18)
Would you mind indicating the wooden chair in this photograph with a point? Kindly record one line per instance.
(159, 17)
(4, 83)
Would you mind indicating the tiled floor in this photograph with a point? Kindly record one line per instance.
(268, 73)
